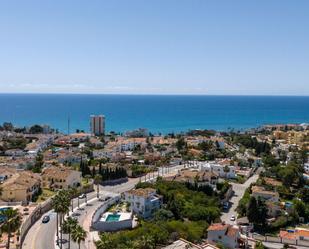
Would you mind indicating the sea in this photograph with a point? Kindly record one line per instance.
(158, 113)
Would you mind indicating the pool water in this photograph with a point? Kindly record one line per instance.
(2, 218)
(112, 217)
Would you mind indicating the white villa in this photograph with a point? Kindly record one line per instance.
(201, 178)
(223, 171)
(143, 202)
(225, 234)
(260, 192)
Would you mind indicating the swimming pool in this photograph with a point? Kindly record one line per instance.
(112, 217)
(2, 218)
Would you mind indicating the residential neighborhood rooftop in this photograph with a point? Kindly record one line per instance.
(144, 192)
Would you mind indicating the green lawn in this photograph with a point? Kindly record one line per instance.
(46, 194)
(86, 182)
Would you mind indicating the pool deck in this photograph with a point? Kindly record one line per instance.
(122, 216)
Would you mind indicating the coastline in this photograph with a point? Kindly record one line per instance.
(158, 113)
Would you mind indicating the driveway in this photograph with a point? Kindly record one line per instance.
(239, 190)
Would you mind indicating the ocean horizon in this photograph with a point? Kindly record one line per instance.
(158, 113)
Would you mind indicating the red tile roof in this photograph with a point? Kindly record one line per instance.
(217, 227)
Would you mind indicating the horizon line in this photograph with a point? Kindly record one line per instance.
(155, 94)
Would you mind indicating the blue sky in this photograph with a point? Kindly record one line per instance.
(228, 47)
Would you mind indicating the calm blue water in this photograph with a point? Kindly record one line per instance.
(157, 113)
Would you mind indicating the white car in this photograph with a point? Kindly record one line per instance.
(233, 218)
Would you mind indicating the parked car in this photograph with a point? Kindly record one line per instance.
(82, 196)
(233, 218)
(226, 206)
(46, 219)
(104, 198)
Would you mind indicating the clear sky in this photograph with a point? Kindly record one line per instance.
(155, 46)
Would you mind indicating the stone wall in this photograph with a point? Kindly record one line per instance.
(281, 241)
(32, 218)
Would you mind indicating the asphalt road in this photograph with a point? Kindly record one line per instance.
(42, 236)
(37, 235)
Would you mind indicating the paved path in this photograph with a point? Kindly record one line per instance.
(239, 190)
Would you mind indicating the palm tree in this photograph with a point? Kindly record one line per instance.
(73, 193)
(68, 226)
(61, 205)
(11, 224)
(65, 207)
(105, 242)
(97, 181)
(78, 235)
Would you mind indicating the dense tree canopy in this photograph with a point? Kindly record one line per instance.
(252, 143)
(36, 129)
(185, 214)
